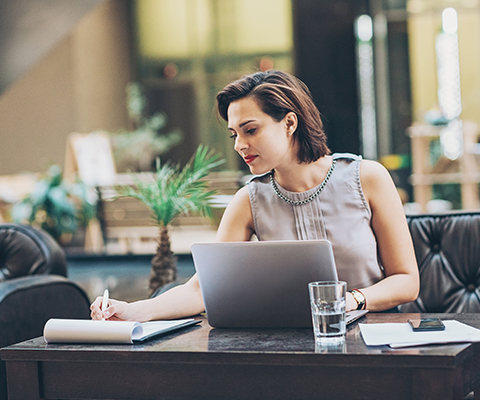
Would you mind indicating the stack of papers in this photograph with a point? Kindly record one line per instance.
(398, 335)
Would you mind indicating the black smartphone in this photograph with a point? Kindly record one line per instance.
(426, 324)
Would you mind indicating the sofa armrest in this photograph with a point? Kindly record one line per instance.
(27, 303)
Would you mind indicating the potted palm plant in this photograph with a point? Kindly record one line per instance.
(173, 191)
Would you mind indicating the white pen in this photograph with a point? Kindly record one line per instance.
(105, 301)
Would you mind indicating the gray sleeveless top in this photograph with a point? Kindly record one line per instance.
(339, 213)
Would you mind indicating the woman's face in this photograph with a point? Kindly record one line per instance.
(263, 143)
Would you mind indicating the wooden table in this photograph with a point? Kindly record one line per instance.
(206, 363)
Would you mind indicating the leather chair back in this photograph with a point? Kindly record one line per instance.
(447, 248)
(28, 251)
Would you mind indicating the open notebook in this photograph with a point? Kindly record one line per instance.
(118, 332)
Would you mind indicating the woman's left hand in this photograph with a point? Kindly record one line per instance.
(350, 303)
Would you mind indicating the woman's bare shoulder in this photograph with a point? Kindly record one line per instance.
(240, 202)
(237, 220)
(242, 195)
(372, 173)
(370, 168)
(376, 182)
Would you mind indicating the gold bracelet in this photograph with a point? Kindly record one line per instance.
(360, 299)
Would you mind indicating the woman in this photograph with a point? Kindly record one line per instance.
(301, 192)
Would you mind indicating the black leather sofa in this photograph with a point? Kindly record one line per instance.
(447, 248)
(33, 287)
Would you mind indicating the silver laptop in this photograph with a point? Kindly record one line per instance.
(261, 284)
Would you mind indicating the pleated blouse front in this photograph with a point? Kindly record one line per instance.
(339, 213)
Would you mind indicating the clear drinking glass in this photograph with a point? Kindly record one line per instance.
(327, 300)
(340, 346)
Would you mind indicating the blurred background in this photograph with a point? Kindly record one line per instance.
(395, 80)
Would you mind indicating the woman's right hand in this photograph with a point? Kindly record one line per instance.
(179, 302)
(115, 311)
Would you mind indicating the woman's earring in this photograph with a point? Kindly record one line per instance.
(290, 124)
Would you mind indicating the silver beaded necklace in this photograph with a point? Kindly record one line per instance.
(311, 197)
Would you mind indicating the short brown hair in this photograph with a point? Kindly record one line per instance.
(277, 94)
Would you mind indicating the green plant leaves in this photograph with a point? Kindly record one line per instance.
(174, 190)
(56, 206)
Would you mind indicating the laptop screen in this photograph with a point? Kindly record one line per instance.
(261, 284)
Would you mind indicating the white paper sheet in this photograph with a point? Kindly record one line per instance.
(398, 335)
